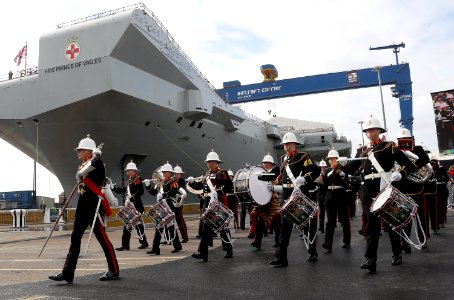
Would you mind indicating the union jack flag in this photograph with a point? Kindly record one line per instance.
(22, 53)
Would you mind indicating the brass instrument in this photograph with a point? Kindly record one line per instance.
(423, 174)
(190, 189)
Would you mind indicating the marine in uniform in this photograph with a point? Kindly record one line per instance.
(91, 172)
(411, 188)
(321, 193)
(296, 169)
(214, 184)
(380, 157)
(430, 198)
(233, 201)
(134, 191)
(179, 179)
(267, 216)
(336, 202)
(165, 191)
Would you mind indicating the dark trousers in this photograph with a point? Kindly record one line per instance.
(432, 214)
(207, 239)
(337, 207)
(286, 233)
(442, 200)
(126, 237)
(394, 238)
(173, 235)
(181, 223)
(245, 208)
(80, 225)
(260, 230)
(372, 223)
(321, 193)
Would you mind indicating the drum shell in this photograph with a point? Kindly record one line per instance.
(299, 209)
(248, 189)
(217, 216)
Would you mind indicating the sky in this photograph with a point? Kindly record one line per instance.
(230, 40)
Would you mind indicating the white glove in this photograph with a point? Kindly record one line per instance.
(300, 180)
(159, 196)
(214, 195)
(396, 176)
(342, 161)
(147, 182)
(190, 179)
(127, 202)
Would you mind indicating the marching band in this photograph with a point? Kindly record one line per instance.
(402, 189)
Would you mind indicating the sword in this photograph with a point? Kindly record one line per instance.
(93, 225)
(58, 218)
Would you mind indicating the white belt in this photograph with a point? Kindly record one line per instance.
(288, 185)
(372, 176)
(440, 183)
(312, 191)
(335, 187)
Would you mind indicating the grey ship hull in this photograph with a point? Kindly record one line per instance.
(136, 92)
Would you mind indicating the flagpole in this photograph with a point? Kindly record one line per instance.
(26, 54)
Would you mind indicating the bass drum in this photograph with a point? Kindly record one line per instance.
(249, 189)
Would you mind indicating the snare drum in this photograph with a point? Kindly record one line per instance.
(160, 214)
(248, 188)
(129, 216)
(299, 209)
(394, 207)
(217, 216)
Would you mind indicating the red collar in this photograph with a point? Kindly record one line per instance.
(292, 153)
(375, 143)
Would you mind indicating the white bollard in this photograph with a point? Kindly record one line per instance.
(46, 216)
(19, 218)
(61, 218)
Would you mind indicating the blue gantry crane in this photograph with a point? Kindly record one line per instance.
(396, 75)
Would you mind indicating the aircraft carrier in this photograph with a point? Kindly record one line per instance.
(121, 77)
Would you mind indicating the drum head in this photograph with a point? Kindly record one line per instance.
(259, 189)
(381, 199)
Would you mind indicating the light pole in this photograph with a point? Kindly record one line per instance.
(377, 69)
(362, 133)
(36, 122)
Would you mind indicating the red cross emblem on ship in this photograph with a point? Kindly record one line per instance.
(72, 51)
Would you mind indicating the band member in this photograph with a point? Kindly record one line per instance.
(442, 193)
(376, 172)
(134, 191)
(321, 193)
(336, 202)
(178, 173)
(267, 216)
(296, 169)
(214, 184)
(415, 190)
(91, 173)
(233, 201)
(430, 198)
(165, 192)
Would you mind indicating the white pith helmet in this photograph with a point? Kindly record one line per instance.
(230, 172)
(373, 123)
(289, 137)
(404, 133)
(131, 166)
(86, 144)
(178, 170)
(167, 167)
(332, 153)
(322, 163)
(213, 156)
(268, 158)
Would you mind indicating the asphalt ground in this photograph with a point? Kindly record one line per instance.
(425, 274)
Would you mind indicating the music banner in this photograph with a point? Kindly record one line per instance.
(443, 103)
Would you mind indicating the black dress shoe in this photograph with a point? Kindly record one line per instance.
(275, 245)
(177, 250)
(228, 255)
(424, 246)
(142, 247)
(406, 248)
(256, 245)
(121, 248)
(279, 263)
(370, 264)
(200, 256)
(397, 260)
(61, 277)
(346, 246)
(327, 247)
(109, 275)
(184, 241)
(312, 257)
(361, 232)
(251, 236)
(436, 232)
(152, 251)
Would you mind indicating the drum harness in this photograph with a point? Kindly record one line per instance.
(296, 186)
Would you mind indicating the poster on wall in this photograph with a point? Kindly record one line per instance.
(443, 103)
